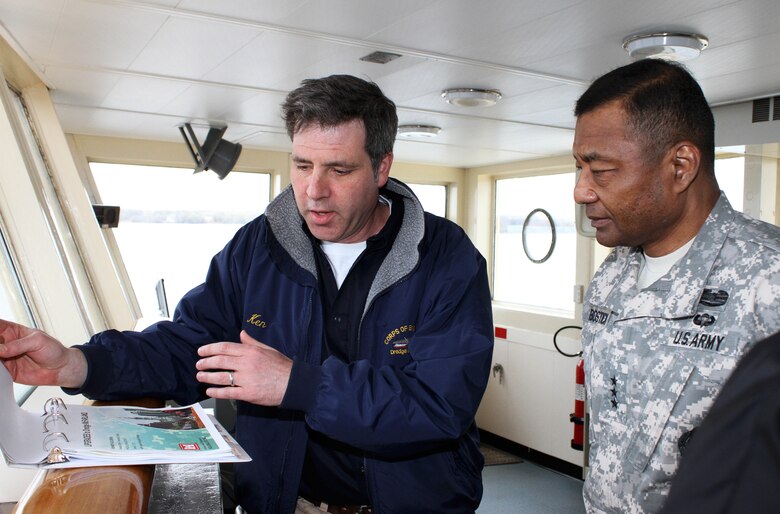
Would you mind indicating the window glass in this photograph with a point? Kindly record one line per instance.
(172, 222)
(730, 173)
(13, 305)
(535, 243)
(433, 197)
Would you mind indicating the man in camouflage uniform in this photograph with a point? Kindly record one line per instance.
(690, 286)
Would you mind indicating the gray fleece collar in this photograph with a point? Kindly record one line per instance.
(286, 224)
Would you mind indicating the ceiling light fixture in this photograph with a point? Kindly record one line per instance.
(470, 97)
(379, 57)
(669, 46)
(418, 131)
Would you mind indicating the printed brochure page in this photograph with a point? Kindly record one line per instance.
(67, 435)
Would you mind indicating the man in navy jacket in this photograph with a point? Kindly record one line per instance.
(353, 329)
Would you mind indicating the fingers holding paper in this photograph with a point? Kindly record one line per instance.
(33, 357)
(250, 371)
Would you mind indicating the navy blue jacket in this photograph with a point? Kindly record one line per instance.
(408, 401)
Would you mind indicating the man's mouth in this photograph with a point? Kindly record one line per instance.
(598, 222)
(321, 217)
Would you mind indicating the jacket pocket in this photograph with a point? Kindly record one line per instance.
(655, 414)
(690, 377)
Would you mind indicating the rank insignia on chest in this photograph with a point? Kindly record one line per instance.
(613, 392)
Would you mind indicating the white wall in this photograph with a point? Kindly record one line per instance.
(531, 404)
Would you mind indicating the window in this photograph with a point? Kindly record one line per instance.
(432, 197)
(730, 173)
(13, 305)
(172, 222)
(31, 223)
(535, 243)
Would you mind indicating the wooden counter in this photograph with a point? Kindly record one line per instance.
(98, 490)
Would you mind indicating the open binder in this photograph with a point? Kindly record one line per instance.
(68, 435)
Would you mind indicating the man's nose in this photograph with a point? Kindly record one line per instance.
(317, 186)
(583, 190)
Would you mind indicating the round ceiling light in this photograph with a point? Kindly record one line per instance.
(665, 45)
(418, 131)
(470, 97)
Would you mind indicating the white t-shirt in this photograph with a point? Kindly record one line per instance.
(342, 256)
(654, 268)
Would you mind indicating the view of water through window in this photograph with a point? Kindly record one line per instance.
(172, 222)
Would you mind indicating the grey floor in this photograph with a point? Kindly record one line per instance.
(526, 488)
(522, 488)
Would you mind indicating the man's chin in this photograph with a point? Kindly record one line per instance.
(604, 238)
(322, 233)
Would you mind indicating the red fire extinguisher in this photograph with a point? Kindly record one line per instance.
(578, 416)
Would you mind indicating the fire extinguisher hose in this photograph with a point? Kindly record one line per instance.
(555, 341)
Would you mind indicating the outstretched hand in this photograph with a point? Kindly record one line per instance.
(259, 373)
(33, 357)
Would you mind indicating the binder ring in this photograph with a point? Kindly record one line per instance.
(51, 437)
(51, 418)
(56, 456)
(53, 405)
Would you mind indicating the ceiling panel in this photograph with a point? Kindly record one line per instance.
(93, 34)
(350, 18)
(141, 68)
(269, 11)
(67, 85)
(205, 102)
(261, 109)
(191, 48)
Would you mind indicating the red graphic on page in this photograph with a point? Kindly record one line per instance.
(189, 446)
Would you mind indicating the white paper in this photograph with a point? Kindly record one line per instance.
(109, 435)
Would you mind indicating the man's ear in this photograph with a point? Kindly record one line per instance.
(384, 170)
(686, 159)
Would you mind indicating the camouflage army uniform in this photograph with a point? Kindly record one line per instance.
(656, 358)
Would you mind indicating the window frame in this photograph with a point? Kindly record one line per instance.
(481, 184)
(27, 214)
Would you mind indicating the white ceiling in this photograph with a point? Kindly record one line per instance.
(140, 69)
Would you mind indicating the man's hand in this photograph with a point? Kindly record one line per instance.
(35, 358)
(259, 373)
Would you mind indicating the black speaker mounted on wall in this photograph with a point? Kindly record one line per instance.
(107, 215)
(216, 154)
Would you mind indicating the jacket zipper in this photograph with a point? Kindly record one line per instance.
(369, 481)
(292, 421)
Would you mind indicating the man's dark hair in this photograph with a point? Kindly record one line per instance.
(331, 101)
(663, 103)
